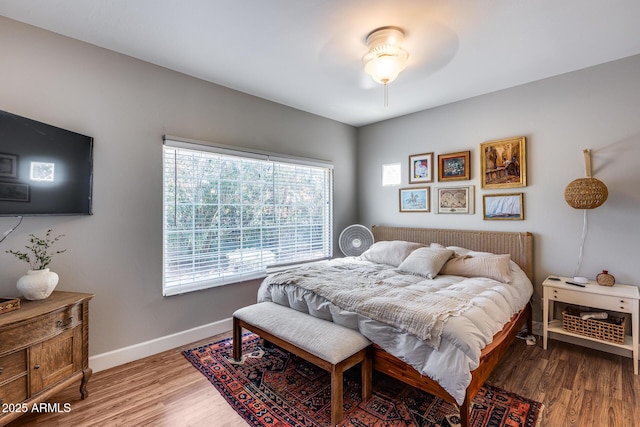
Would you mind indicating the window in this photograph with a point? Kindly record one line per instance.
(230, 214)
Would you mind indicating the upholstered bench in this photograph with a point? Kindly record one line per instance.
(327, 345)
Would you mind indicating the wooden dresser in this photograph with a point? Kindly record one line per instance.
(44, 347)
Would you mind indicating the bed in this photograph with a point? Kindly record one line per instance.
(449, 353)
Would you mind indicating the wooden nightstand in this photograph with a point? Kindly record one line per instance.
(618, 298)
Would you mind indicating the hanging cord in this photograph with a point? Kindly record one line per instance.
(9, 231)
(584, 237)
(386, 95)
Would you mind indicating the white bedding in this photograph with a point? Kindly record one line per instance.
(492, 304)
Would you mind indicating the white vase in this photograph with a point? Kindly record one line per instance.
(37, 284)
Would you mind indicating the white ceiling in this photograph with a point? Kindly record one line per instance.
(308, 53)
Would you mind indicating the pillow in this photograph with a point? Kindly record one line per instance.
(390, 252)
(426, 262)
(459, 251)
(492, 266)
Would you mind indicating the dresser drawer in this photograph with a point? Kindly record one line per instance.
(15, 391)
(12, 365)
(604, 302)
(51, 324)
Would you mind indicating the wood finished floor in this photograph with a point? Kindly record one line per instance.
(578, 386)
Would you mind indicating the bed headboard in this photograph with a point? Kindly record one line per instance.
(519, 245)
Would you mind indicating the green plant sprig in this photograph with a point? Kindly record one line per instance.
(38, 255)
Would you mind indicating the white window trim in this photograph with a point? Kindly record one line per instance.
(192, 144)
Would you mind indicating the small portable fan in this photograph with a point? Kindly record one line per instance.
(355, 239)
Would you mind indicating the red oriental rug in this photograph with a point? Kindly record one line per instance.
(271, 387)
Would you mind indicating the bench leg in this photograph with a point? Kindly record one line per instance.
(237, 340)
(336, 396)
(337, 386)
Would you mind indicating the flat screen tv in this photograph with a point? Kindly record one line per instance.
(44, 170)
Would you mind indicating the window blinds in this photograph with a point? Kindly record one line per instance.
(231, 213)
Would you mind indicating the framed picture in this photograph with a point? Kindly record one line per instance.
(415, 199)
(8, 165)
(421, 168)
(14, 192)
(455, 200)
(454, 166)
(503, 206)
(503, 163)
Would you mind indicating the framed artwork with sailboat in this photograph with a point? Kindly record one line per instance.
(503, 206)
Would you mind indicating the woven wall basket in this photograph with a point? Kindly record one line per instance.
(586, 193)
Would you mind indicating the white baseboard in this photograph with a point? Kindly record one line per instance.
(107, 360)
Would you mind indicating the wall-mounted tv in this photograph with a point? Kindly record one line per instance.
(44, 170)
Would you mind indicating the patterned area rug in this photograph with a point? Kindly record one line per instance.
(271, 387)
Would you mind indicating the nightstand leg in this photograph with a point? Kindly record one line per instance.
(545, 322)
(634, 326)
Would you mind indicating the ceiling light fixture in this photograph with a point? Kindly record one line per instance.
(386, 58)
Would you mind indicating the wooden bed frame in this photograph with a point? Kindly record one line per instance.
(520, 246)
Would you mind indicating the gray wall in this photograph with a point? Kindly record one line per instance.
(595, 108)
(127, 105)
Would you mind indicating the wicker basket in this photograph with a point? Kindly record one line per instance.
(9, 304)
(611, 330)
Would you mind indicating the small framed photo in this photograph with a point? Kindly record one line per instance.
(455, 200)
(503, 206)
(503, 163)
(421, 168)
(454, 166)
(8, 165)
(14, 192)
(415, 199)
